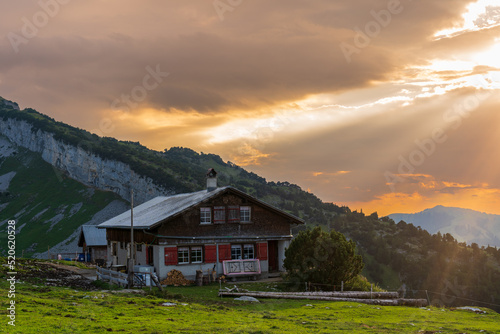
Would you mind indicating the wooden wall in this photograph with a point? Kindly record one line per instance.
(264, 223)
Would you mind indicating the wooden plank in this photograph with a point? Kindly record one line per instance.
(156, 281)
(383, 302)
(122, 281)
(345, 294)
(104, 277)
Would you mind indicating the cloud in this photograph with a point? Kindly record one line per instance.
(480, 198)
(259, 56)
(268, 86)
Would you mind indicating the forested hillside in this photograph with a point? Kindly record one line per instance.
(453, 273)
(180, 169)
(45, 200)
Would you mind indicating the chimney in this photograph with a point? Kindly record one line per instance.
(211, 179)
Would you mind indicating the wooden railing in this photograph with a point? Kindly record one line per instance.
(112, 276)
(241, 267)
(118, 278)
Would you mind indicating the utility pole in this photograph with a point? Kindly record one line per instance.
(132, 253)
(132, 246)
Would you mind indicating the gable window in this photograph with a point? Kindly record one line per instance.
(233, 214)
(245, 214)
(205, 216)
(183, 255)
(219, 214)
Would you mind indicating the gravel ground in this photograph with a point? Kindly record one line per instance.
(51, 274)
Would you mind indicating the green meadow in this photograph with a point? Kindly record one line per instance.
(43, 309)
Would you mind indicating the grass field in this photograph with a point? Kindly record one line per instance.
(42, 309)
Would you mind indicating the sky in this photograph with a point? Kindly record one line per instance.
(380, 105)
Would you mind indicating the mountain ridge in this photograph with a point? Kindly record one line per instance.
(466, 225)
(440, 206)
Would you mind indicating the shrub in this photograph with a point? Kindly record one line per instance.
(322, 258)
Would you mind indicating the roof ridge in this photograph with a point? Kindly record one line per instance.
(150, 213)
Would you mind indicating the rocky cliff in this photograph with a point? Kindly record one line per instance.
(81, 165)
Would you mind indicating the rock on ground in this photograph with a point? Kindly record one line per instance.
(247, 299)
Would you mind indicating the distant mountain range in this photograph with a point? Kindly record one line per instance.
(465, 225)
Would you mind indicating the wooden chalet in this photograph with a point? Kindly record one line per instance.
(217, 229)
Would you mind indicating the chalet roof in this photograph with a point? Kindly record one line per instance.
(152, 213)
(92, 236)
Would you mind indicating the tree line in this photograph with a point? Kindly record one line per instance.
(451, 272)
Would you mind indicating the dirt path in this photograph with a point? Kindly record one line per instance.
(37, 272)
(87, 273)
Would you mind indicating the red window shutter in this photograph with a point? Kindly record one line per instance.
(210, 254)
(170, 256)
(224, 252)
(262, 250)
(219, 214)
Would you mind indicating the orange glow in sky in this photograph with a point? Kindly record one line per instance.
(407, 121)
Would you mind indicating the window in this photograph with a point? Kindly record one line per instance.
(233, 214)
(219, 214)
(183, 255)
(196, 255)
(235, 252)
(114, 247)
(205, 216)
(245, 214)
(192, 254)
(245, 252)
(138, 247)
(248, 252)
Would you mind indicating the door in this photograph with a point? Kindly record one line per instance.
(149, 255)
(273, 255)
